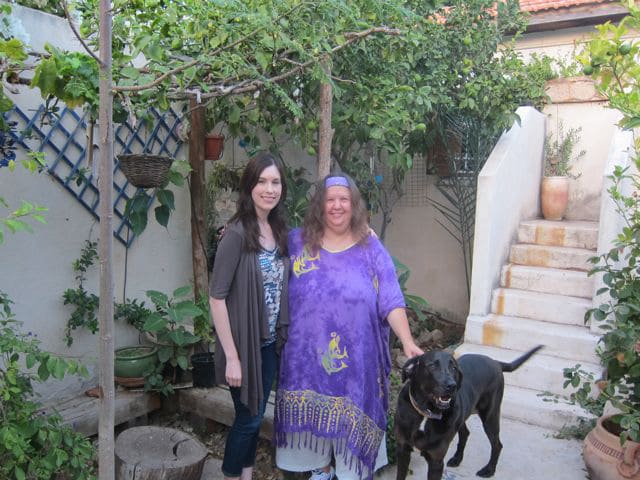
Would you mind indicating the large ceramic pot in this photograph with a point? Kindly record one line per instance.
(134, 362)
(554, 197)
(605, 458)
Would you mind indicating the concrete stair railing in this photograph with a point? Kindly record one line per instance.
(542, 298)
(536, 290)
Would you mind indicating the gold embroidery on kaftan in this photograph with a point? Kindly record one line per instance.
(323, 413)
(333, 359)
(304, 262)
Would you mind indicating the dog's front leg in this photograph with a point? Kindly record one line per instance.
(463, 435)
(403, 457)
(436, 465)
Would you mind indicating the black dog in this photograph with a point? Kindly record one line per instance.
(437, 400)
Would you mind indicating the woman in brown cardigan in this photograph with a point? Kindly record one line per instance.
(248, 298)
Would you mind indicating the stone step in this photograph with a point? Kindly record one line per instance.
(550, 256)
(541, 372)
(527, 406)
(539, 306)
(571, 342)
(547, 280)
(578, 234)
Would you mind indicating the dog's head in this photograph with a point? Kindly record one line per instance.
(435, 378)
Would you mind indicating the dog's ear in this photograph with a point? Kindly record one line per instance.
(409, 367)
(458, 375)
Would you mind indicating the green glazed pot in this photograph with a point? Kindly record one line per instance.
(134, 362)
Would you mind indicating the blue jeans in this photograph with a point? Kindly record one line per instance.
(242, 440)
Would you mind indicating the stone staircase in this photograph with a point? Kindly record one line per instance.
(543, 295)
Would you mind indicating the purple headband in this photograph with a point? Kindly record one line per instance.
(336, 181)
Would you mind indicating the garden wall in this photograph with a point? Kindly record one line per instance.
(36, 268)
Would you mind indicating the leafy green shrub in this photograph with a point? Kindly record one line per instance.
(167, 325)
(619, 318)
(612, 61)
(414, 302)
(34, 445)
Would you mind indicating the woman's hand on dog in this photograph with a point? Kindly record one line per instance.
(399, 323)
(412, 350)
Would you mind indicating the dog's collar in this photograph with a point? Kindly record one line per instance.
(426, 413)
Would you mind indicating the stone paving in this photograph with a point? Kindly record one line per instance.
(529, 453)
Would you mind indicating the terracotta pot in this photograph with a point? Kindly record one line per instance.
(213, 146)
(554, 197)
(606, 459)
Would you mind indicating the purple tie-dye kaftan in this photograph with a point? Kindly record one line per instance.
(335, 364)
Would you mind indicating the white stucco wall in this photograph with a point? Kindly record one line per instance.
(508, 192)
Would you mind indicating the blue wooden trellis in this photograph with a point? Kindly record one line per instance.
(63, 139)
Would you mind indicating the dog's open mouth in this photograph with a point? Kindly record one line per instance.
(443, 402)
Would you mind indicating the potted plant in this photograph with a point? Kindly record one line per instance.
(559, 154)
(133, 363)
(168, 326)
(214, 139)
(213, 146)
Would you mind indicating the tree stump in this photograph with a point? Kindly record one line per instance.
(158, 453)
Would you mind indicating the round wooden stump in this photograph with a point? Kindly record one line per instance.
(158, 453)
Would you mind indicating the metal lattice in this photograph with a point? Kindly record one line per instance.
(63, 138)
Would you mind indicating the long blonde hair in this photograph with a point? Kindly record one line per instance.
(313, 226)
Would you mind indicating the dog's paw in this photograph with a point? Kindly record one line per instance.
(454, 461)
(486, 472)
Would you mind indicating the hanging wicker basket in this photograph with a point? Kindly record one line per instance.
(145, 170)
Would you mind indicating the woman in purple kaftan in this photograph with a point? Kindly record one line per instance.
(343, 298)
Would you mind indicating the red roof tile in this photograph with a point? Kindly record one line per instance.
(541, 5)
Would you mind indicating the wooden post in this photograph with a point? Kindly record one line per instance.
(325, 133)
(198, 227)
(106, 463)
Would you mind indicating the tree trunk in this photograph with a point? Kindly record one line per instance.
(106, 468)
(325, 134)
(198, 227)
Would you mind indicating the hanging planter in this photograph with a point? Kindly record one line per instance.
(213, 146)
(145, 170)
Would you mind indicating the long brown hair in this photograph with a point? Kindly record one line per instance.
(246, 212)
(313, 227)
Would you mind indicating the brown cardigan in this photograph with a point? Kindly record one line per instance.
(237, 278)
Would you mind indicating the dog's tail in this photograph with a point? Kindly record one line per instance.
(510, 367)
